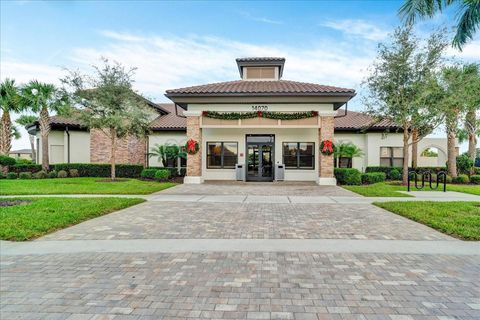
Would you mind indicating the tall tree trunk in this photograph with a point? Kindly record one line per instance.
(5, 134)
(32, 146)
(113, 138)
(44, 122)
(414, 148)
(451, 150)
(405, 156)
(471, 126)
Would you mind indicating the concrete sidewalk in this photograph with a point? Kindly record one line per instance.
(165, 197)
(448, 247)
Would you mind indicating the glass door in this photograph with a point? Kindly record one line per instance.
(260, 158)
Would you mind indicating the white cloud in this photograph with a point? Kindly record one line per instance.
(249, 16)
(471, 51)
(23, 72)
(358, 28)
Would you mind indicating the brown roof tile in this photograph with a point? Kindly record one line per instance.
(278, 87)
(170, 121)
(354, 121)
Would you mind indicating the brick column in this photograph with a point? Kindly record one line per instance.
(325, 163)
(194, 161)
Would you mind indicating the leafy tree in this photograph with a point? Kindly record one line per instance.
(468, 15)
(26, 121)
(41, 99)
(9, 102)
(399, 83)
(107, 102)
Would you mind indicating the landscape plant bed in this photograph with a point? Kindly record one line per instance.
(45, 215)
(390, 189)
(80, 186)
(458, 219)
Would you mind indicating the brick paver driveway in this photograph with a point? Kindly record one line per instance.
(239, 285)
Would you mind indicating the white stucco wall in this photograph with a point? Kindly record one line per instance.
(239, 136)
(171, 137)
(58, 150)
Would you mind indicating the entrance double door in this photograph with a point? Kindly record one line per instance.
(260, 157)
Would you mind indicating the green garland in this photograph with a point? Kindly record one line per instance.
(260, 114)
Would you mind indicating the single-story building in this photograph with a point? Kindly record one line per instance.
(268, 126)
(21, 154)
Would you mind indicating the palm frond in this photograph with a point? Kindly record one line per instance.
(468, 23)
(411, 10)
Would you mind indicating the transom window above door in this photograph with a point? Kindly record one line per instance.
(222, 155)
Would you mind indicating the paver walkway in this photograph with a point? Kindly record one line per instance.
(174, 258)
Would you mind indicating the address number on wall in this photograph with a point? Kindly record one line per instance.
(259, 108)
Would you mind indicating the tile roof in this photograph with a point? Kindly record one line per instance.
(250, 87)
(249, 59)
(170, 121)
(65, 121)
(354, 121)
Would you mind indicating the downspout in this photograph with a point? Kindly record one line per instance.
(68, 144)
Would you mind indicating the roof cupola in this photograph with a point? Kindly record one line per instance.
(261, 68)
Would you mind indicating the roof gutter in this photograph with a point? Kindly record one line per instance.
(343, 115)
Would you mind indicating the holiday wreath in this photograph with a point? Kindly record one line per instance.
(327, 147)
(192, 146)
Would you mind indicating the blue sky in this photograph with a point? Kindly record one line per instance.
(175, 44)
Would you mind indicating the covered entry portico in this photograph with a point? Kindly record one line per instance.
(261, 123)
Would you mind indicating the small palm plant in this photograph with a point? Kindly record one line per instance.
(167, 152)
(347, 150)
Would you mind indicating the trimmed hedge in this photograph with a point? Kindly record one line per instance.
(12, 175)
(25, 175)
(392, 176)
(101, 169)
(162, 175)
(7, 161)
(348, 176)
(461, 178)
(17, 168)
(148, 173)
(373, 177)
(475, 179)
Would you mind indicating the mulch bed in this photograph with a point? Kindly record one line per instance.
(9, 203)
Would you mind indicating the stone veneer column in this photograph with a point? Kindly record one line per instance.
(194, 161)
(325, 172)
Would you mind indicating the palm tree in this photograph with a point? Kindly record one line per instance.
(167, 152)
(42, 98)
(347, 150)
(9, 102)
(468, 15)
(26, 121)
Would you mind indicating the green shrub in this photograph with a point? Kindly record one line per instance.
(25, 175)
(52, 174)
(475, 179)
(73, 173)
(25, 167)
(62, 174)
(40, 175)
(348, 176)
(386, 170)
(148, 173)
(12, 175)
(464, 164)
(373, 177)
(24, 161)
(461, 178)
(2, 175)
(394, 174)
(162, 175)
(102, 169)
(449, 179)
(174, 172)
(7, 161)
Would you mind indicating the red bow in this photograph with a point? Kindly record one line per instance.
(259, 114)
(327, 146)
(191, 145)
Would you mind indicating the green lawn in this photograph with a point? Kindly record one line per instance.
(383, 189)
(458, 219)
(44, 215)
(79, 186)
